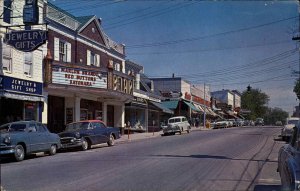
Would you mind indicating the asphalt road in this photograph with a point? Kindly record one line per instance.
(224, 159)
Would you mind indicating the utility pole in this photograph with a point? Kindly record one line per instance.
(204, 114)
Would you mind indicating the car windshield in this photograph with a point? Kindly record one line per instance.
(77, 126)
(292, 122)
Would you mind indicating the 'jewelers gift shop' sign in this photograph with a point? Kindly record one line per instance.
(79, 77)
(27, 40)
(20, 86)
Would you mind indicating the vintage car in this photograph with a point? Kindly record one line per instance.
(289, 162)
(25, 137)
(259, 122)
(84, 134)
(221, 123)
(177, 125)
(287, 130)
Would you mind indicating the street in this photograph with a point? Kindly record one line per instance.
(243, 158)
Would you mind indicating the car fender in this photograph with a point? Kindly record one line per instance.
(293, 173)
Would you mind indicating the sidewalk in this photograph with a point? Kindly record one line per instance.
(140, 136)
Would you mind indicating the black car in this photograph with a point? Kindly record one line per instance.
(84, 134)
(289, 162)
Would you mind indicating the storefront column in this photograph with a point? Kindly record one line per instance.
(146, 120)
(77, 108)
(104, 112)
(45, 109)
(119, 116)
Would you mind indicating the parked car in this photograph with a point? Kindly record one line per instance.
(259, 122)
(289, 162)
(278, 123)
(26, 137)
(231, 122)
(287, 130)
(177, 125)
(221, 123)
(84, 134)
(240, 122)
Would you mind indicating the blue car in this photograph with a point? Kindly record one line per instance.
(26, 137)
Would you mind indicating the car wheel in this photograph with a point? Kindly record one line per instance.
(85, 144)
(53, 150)
(188, 130)
(19, 153)
(111, 141)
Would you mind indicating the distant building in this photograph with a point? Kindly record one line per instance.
(226, 98)
(236, 100)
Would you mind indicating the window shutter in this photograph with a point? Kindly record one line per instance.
(88, 58)
(56, 49)
(69, 52)
(98, 60)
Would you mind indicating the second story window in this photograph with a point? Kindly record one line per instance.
(93, 59)
(28, 64)
(7, 11)
(6, 57)
(62, 50)
(117, 67)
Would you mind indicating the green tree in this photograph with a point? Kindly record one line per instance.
(256, 101)
(275, 114)
(297, 89)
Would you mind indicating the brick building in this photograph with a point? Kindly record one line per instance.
(85, 79)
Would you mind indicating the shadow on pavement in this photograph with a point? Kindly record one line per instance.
(267, 188)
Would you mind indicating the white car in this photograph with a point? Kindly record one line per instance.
(177, 125)
(287, 130)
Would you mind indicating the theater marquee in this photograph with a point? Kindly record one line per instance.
(79, 77)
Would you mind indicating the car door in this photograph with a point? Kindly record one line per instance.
(44, 135)
(101, 133)
(35, 138)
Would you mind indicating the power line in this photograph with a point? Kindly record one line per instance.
(146, 45)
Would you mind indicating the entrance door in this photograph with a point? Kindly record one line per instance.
(56, 114)
(110, 116)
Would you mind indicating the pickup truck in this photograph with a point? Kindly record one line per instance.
(84, 134)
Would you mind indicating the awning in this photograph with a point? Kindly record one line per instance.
(200, 108)
(192, 106)
(162, 107)
(24, 97)
(170, 104)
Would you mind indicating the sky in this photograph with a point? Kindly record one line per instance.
(224, 44)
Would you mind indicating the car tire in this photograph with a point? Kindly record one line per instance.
(85, 144)
(53, 150)
(19, 153)
(111, 141)
(188, 129)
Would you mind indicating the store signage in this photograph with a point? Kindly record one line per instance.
(140, 100)
(79, 77)
(31, 12)
(27, 40)
(19, 85)
(171, 94)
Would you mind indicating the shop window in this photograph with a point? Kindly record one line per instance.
(28, 64)
(7, 12)
(30, 111)
(93, 59)
(6, 55)
(62, 50)
(83, 114)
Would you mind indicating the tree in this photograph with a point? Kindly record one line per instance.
(297, 89)
(255, 101)
(276, 114)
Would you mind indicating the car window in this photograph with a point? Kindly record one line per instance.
(4, 128)
(99, 125)
(177, 120)
(17, 127)
(32, 127)
(294, 137)
(40, 128)
(77, 126)
(184, 119)
(292, 122)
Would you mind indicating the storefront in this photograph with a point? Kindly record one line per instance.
(20, 100)
(136, 114)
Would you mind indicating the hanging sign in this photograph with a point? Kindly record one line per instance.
(27, 40)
